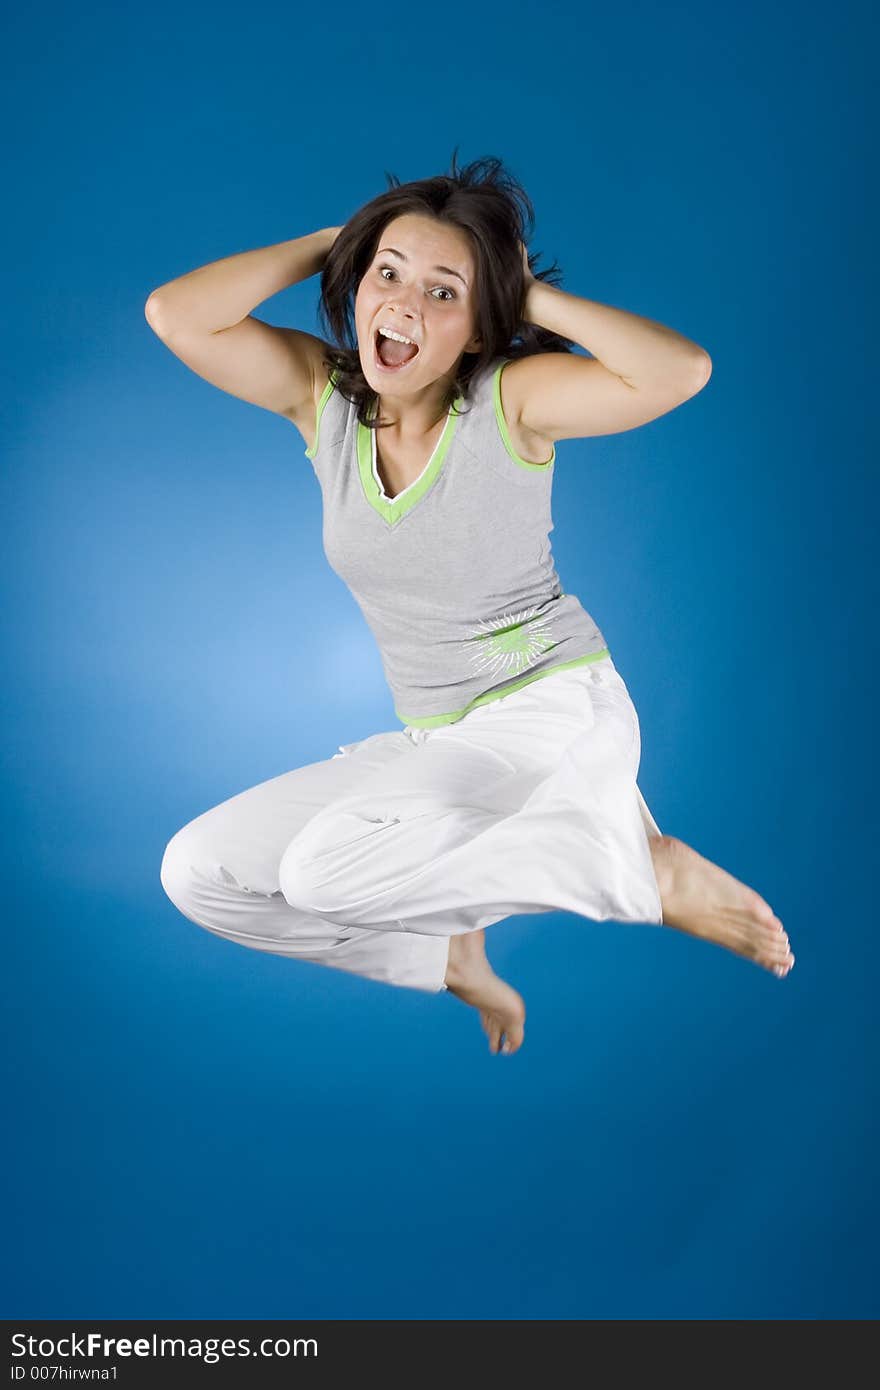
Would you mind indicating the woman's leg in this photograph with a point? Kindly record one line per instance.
(527, 805)
(221, 872)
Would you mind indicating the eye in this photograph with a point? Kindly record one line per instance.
(444, 288)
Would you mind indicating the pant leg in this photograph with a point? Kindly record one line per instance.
(222, 872)
(529, 804)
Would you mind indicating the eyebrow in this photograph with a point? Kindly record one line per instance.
(444, 269)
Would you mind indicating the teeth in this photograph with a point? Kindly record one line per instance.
(398, 337)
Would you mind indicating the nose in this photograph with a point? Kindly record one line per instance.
(403, 308)
(401, 314)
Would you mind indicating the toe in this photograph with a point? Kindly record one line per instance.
(513, 1040)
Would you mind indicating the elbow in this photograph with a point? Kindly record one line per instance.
(153, 311)
(699, 374)
(703, 369)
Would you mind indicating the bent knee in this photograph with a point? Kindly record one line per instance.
(179, 869)
(305, 884)
(298, 882)
(336, 862)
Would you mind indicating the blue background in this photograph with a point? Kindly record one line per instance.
(199, 1130)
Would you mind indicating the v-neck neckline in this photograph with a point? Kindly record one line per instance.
(391, 509)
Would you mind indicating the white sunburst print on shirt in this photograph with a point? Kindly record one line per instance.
(511, 643)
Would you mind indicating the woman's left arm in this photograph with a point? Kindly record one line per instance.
(641, 352)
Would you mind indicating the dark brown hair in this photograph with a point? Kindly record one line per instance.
(493, 209)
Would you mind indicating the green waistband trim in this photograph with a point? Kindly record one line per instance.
(436, 721)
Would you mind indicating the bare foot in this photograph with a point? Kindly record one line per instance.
(471, 978)
(704, 900)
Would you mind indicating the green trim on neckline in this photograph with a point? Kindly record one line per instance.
(391, 510)
(502, 425)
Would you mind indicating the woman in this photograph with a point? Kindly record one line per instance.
(512, 786)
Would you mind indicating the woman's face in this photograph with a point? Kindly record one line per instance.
(434, 307)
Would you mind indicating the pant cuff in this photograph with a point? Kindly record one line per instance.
(428, 965)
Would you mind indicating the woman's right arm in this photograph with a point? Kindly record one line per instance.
(205, 319)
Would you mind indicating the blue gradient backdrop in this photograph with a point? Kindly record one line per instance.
(198, 1130)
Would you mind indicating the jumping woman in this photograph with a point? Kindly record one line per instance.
(430, 417)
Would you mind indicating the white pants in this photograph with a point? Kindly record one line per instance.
(371, 859)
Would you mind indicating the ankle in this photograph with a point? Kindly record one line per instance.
(663, 857)
(467, 957)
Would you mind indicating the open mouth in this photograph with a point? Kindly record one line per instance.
(398, 356)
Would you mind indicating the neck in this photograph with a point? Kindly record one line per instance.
(413, 417)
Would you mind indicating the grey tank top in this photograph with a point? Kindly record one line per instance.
(454, 575)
